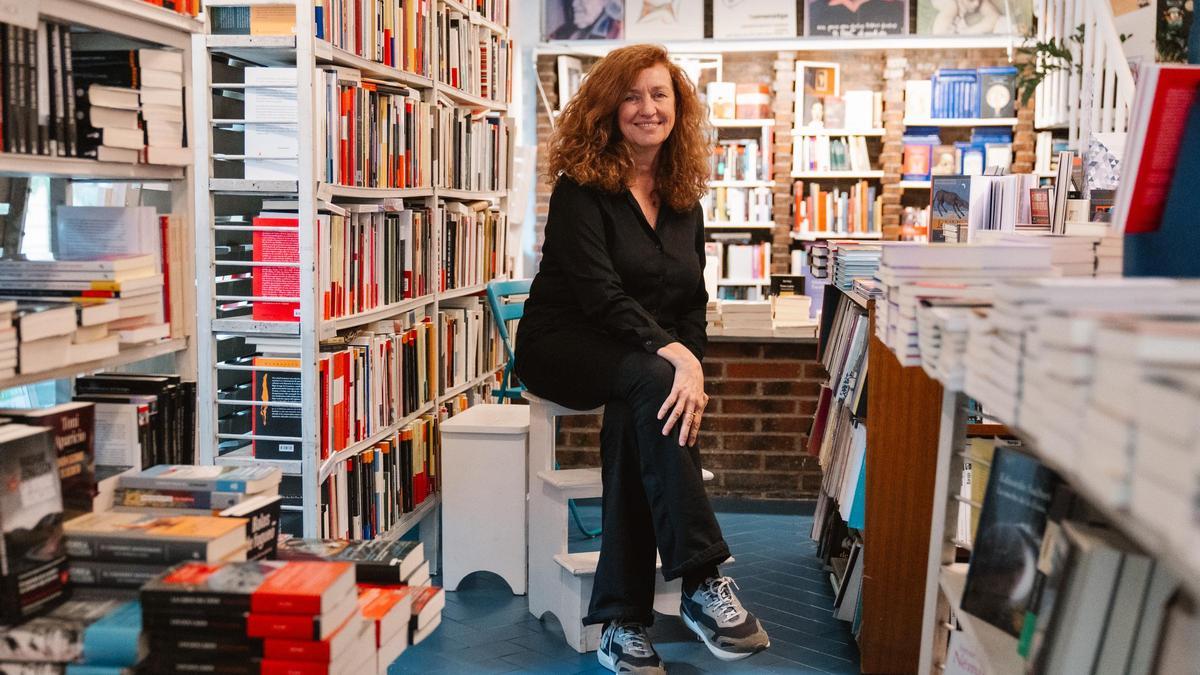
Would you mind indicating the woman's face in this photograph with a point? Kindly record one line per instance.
(647, 113)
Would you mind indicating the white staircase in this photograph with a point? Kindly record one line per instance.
(1096, 96)
(560, 583)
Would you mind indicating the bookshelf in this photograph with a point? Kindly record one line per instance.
(821, 131)
(852, 175)
(960, 122)
(122, 24)
(818, 236)
(226, 326)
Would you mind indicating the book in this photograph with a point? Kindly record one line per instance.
(949, 208)
(832, 17)
(32, 557)
(1011, 524)
(116, 639)
(72, 425)
(354, 634)
(38, 320)
(261, 514)
(375, 562)
(276, 281)
(1039, 206)
(241, 480)
(427, 605)
(55, 636)
(296, 626)
(134, 537)
(388, 610)
(273, 385)
(258, 587)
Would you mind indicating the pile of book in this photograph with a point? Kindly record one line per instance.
(836, 211)
(853, 260)
(942, 329)
(365, 495)
(1070, 255)
(791, 310)
(141, 419)
(914, 271)
(473, 243)
(747, 317)
(130, 105)
(92, 633)
(72, 428)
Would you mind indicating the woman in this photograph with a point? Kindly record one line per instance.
(616, 316)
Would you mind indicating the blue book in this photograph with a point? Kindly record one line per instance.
(115, 640)
(89, 669)
(319, 18)
(858, 507)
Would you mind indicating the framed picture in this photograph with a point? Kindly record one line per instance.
(974, 17)
(856, 17)
(583, 19)
(815, 82)
(570, 76)
(664, 20)
(949, 206)
(749, 19)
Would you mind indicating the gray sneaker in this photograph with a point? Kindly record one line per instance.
(715, 614)
(625, 648)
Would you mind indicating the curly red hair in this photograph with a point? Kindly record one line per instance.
(587, 144)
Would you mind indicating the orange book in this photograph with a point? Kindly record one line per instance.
(149, 539)
(427, 603)
(309, 588)
(387, 608)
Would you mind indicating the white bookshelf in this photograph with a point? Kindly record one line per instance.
(740, 184)
(130, 24)
(801, 44)
(730, 225)
(915, 184)
(748, 123)
(305, 52)
(744, 282)
(821, 131)
(837, 174)
(819, 236)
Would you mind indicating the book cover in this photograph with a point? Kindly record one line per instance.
(71, 427)
(272, 281)
(1011, 524)
(211, 590)
(997, 86)
(242, 480)
(945, 161)
(277, 386)
(1039, 206)
(148, 539)
(949, 206)
(56, 636)
(376, 561)
(388, 609)
(917, 161)
(32, 557)
(116, 639)
(426, 605)
(849, 18)
(303, 588)
(261, 514)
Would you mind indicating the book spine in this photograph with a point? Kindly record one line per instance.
(118, 575)
(166, 619)
(144, 551)
(284, 626)
(199, 609)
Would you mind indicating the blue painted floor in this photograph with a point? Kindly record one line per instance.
(486, 629)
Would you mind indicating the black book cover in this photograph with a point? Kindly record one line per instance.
(262, 525)
(376, 561)
(276, 386)
(1003, 566)
(54, 69)
(8, 124)
(16, 55)
(158, 663)
(352, 498)
(196, 587)
(72, 426)
(113, 574)
(32, 557)
(229, 20)
(192, 647)
(230, 624)
(33, 127)
(68, 91)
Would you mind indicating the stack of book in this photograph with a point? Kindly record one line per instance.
(942, 325)
(388, 612)
(254, 617)
(141, 419)
(1110, 255)
(791, 314)
(118, 549)
(914, 271)
(149, 80)
(378, 562)
(748, 318)
(853, 260)
(712, 316)
(427, 606)
(88, 630)
(367, 494)
(472, 243)
(868, 288)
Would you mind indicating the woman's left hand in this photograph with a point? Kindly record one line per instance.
(687, 399)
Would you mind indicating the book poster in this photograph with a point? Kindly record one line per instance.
(950, 202)
(816, 84)
(856, 17)
(749, 19)
(1005, 553)
(663, 20)
(974, 17)
(583, 19)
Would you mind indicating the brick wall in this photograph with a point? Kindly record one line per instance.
(753, 435)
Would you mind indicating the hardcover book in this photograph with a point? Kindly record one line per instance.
(949, 207)
(32, 558)
(276, 282)
(377, 561)
(1011, 523)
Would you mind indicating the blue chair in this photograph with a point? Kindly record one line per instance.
(503, 311)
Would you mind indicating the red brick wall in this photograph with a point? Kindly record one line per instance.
(755, 429)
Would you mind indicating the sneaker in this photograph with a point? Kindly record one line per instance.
(625, 648)
(714, 613)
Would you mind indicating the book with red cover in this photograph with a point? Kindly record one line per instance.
(1165, 95)
(303, 588)
(301, 626)
(427, 603)
(346, 638)
(1039, 206)
(820, 419)
(280, 282)
(388, 609)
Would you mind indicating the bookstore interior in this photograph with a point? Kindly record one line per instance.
(233, 443)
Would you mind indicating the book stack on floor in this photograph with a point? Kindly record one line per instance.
(130, 105)
(141, 419)
(747, 317)
(853, 260)
(970, 269)
(249, 493)
(257, 617)
(85, 635)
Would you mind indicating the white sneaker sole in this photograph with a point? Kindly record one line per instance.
(717, 651)
(605, 660)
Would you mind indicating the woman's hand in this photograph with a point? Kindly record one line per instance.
(687, 398)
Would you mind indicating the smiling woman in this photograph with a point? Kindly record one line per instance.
(616, 317)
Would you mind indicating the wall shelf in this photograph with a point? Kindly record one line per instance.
(126, 356)
(740, 123)
(959, 122)
(820, 236)
(814, 131)
(740, 184)
(12, 164)
(837, 174)
(802, 44)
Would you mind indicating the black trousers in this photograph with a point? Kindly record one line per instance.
(653, 490)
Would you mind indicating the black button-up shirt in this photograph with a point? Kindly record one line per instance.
(604, 267)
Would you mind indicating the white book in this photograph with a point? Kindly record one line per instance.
(123, 98)
(95, 350)
(45, 354)
(94, 232)
(276, 76)
(165, 96)
(169, 156)
(116, 137)
(101, 117)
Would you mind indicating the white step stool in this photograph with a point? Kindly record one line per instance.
(560, 583)
(483, 494)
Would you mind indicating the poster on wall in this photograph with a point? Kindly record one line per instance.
(583, 19)
(1135, 20)
(1174, 22)
(749, 19)
(570, 76)
(664, 20)
(817, 86)
(850, 18)
(974, 17)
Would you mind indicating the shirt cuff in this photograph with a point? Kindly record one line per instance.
(654, 339)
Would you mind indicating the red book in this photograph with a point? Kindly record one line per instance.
(820, 419)
(388, 609)
(323, 381)
(304, 588)
(347, 637)
(282, 282)
(427, 603)
(301, 626)
(339, 409)
(1165, 95)
(164, 228)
